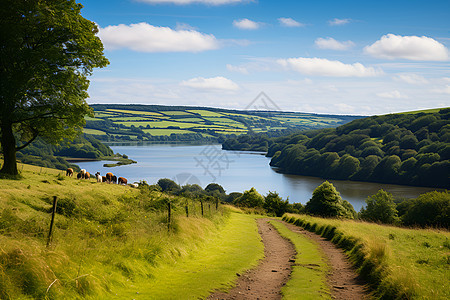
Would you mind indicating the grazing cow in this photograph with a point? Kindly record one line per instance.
(104, 179)
(69, 172)
(87, 176)
(98, 176)
(122, 180)
(79, 175)
(135, 185)
(109, 177)
(83, 173)
(114, 179)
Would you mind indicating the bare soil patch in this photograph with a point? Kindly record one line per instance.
(267, 279)
(343, 280)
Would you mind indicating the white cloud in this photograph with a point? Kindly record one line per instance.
(144, 37)
(238, 69)
(445, 90)
(184, 26)
(422, 48)
(289, 22)
(325, 67)
(330, 43)
(246, 24)
(411, 78)
(208, 2)
(338, 22)
(214, 83)
(392, 95)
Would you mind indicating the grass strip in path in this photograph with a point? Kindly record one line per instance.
(308, 277)
(236, 248)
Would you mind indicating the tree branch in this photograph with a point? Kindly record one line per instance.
(35, 135)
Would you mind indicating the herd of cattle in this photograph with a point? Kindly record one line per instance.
(109, 177)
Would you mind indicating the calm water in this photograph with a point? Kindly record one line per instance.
(235, 171)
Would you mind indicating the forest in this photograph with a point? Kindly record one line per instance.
(410, 149)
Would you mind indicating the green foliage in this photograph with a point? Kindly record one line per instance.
(51, 49)
(275, 205)
(250, 198)
(168, 185)
(327, 202)
(429, 209)
(412, 149)
(380, 208)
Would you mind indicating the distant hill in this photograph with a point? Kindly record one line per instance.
(115, 122)
(405, 148)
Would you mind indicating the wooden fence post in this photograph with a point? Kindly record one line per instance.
(187, 209)
(49, 238)
(169, 215)
(201, 203)
(217, 203)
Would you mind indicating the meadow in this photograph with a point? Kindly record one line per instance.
(109, 239)
(398, 263)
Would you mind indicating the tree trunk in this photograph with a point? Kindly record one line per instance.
(9, 151)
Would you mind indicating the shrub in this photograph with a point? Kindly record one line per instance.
(429, 209)
(380, 208)
(327, 202)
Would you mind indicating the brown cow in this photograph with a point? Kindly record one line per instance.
(109, 177)
(104, 179)
(69, 172)
(122, 180)
(114, 179)
(87, 176)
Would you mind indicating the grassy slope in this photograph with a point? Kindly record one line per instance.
(234, 249)
(414, 263)
(112, 238)
(305, 282)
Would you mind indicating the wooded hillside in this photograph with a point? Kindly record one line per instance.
(411, 149)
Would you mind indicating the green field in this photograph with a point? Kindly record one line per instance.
(217, 122)
(404, 263)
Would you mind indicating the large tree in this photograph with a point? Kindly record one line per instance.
(47, 50)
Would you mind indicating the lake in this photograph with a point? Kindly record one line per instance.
(235, 171)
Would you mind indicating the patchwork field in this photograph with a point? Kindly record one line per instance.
(153, 122)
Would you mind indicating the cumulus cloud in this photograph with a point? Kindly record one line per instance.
(338, 22)
(208, 2)
(422, 48)
(246, 24)
(332, 44)
(214, 83)
(325, 67)
(392, 95)
(289, 22)
(411, 78)
(239, 69)
(144, 37)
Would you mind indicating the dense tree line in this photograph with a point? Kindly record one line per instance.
(411, 149)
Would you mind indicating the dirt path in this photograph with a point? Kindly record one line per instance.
(266, 280)
(343, 280)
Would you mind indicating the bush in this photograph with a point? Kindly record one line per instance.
(275, 205)
(250, 198)
(430, 209)
(327, 202)
(380, 208)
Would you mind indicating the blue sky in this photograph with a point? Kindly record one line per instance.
(335, 57)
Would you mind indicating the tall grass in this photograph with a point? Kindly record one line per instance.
(397, 262)
(105, 236)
